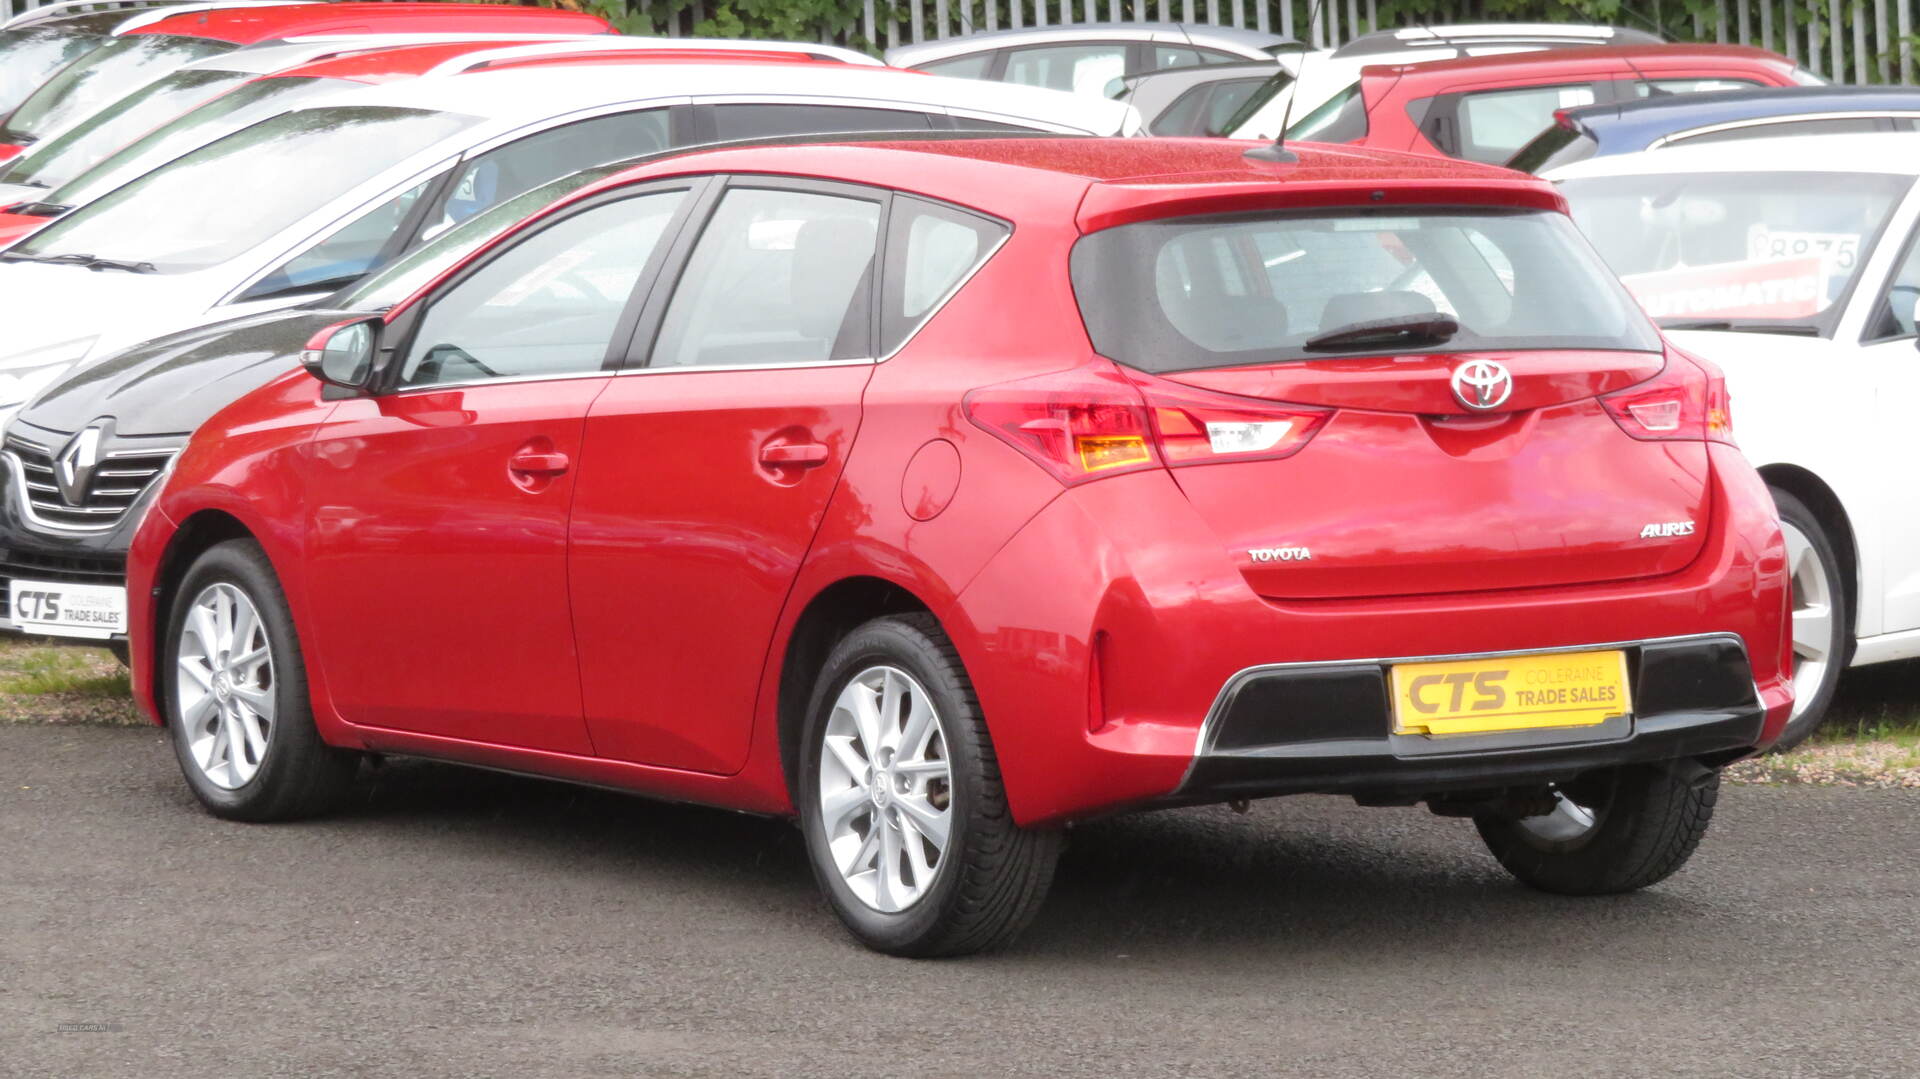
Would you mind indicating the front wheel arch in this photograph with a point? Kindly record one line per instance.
(198, 534)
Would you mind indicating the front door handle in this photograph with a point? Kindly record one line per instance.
(793, 455)
(528, 463)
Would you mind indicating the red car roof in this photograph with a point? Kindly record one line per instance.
(250, 26)
(1579, 61)
(392, 63)
(662, 56)
(1100, 183)
(397, 62)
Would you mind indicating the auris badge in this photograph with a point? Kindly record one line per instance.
(1482, 384)
(1664, 529)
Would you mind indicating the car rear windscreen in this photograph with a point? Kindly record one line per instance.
(1187, 293)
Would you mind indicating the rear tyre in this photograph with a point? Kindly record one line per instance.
(1821, 616)
(1615, 831)
(905, 818)
(236, 694)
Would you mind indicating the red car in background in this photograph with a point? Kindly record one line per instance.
(944, 493)
(1485, 108)
(148, 52)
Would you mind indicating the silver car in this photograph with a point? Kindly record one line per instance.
(1091, 58)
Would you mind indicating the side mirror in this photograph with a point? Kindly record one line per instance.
(342, 354)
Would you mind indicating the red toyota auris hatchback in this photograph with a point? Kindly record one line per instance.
(945, 493)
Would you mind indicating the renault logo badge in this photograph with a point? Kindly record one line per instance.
(1482, 384)
(73, 469)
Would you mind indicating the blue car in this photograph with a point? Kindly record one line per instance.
(1692, 119)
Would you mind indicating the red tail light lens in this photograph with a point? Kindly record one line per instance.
(1079, 425)
(1199, 427)
(1101, 420)
(1687, 401)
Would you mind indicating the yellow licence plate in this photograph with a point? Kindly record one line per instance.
(1508, 693)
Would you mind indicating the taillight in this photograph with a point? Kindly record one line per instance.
(1079, 425)
(1200, 427)
(1688, 400)
(1100, 420)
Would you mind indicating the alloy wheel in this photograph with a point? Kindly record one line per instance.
(225, 686)
(886, 788)
(1813, 617)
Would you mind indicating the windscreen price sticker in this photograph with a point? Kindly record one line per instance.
(1778, 288)
(1840, 249)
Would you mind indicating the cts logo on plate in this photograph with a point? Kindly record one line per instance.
(1482, 384)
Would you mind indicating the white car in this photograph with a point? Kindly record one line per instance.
(82, 165)
(51, 162)
(306, 202)
(1319, 76)
(1793, 263)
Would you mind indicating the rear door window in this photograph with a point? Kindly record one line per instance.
(1194, 293)
(491, 178)
(1496, 123)
(778, 277)
(1084, 69)
(747, 121)
(972, 66)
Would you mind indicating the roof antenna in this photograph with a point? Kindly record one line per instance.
(1278, 154)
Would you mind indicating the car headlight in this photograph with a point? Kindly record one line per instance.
(26, 373)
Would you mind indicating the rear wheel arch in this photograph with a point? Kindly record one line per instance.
(829, 616)
(1826, 505)
(197, 534)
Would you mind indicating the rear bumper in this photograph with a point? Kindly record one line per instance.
(1099, 640)
(1326, 728)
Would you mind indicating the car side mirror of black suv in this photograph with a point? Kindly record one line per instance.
(342, 354)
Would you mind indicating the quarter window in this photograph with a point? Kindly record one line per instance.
(778, 277)
(1497, 123)
(548, 305)
(931, 249)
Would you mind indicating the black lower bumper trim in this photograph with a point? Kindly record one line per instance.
(1327, 729)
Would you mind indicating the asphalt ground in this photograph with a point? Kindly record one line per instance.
(454, 922)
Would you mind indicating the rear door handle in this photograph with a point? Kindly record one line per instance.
(794, 454)
(538, 464)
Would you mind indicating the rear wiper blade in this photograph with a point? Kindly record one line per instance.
(1431, 328)
(1797, 329)
(91, 262)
